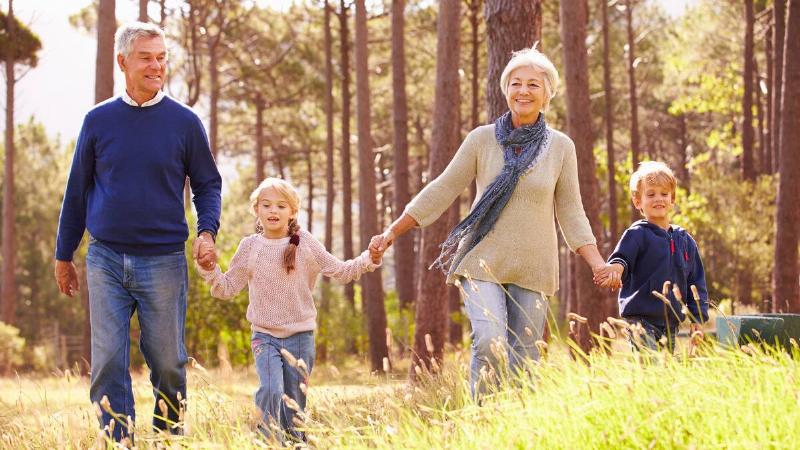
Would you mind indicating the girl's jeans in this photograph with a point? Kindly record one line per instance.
(279, 378)
(506, 314)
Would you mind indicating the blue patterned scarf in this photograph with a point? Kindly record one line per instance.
(482, 218)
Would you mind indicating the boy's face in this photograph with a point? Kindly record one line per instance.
(655, 202)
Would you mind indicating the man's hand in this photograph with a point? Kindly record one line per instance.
(204, 251)
(66, 277)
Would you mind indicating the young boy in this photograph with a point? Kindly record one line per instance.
(652, 252)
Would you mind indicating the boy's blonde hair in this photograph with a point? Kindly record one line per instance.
(655, 173)
(288, 192)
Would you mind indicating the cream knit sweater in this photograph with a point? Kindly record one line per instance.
(522, 248)
(281, 304)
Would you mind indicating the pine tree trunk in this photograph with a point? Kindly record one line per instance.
(404, 246)
(510, 25)
(768, 143)
(632, 84)
(8, 289)
(683, 154)
(609, 121)
(779, 32)
(748, 172)
(261, 160)
(143, 11)
(104, 63)
(347, 177)
(213, 99)
(432, 302)
(787, 235)
(371, 287)
(455, 317)
(592, 302)
(330, 189)
(760, 161)
(310, 187)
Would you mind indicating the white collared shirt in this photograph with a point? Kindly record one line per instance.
(127, 99)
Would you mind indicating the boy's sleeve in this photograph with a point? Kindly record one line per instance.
(626, 252)
(697, 278)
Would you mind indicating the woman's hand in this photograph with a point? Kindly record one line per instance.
(608, 276)
(381, 242)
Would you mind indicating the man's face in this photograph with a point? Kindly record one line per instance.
(145, 67)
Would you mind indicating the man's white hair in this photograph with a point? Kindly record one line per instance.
(127, 34)
(530, 57)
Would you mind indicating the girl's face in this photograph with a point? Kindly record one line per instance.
(274, 212)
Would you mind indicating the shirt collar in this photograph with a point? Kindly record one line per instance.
(127, 99)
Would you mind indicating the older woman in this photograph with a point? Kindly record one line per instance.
(505, 252)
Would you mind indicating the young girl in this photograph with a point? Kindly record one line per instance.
(280, 264)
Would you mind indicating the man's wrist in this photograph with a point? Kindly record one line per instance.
(210, 234)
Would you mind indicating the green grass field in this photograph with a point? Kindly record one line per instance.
(729, 399)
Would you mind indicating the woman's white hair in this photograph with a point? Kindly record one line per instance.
(127, 34)
(530, 57)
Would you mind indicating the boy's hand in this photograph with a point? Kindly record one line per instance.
(696, 333)
(609, 276)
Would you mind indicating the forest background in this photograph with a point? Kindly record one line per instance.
(359, 104)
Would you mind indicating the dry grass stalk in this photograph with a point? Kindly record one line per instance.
(429, 343)
(289, 357)
(577, 318)
(290, 403)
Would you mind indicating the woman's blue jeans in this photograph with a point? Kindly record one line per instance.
(278, 377)
(506, 315)
(155, 288)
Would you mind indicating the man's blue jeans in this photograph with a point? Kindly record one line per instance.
(508, 315)
(278, 377)
(154, 287)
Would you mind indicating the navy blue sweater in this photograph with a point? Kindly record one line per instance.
(651, 256)
(127, 178)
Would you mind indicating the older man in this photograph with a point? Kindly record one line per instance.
(132, 157)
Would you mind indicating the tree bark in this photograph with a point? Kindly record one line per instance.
(347, 177)
(404, 246)
(143, 11)
(779, 32)
(760, 161)
(8, 289)
(768, 143)
(329, 187)
(592, 302)
(609, 122)
(371, 286)
(511, 25)
(213, 98)
(635, 150)
(310, 187)
(748, 172)
(455, 317)
(787, 233)
(683, 154)
(261, 160)
(104, 64)
(432, 300)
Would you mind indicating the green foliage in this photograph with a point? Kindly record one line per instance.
(11, 349)
(732, 222)
(25, 46)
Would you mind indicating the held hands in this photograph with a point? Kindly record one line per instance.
(608, 276)
(204, 251)
(379, 243)
(66, 277)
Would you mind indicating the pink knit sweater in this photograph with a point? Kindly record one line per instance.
(281, 304)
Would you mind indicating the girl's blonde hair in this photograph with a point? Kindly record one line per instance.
(289, 193)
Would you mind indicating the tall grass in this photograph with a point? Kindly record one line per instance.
(720, 398)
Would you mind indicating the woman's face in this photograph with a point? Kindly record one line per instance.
(526, 95)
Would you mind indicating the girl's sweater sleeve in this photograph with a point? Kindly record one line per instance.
(333, 267)
(227, 285)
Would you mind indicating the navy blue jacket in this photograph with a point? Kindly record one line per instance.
(127, 178)
(651, 256)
